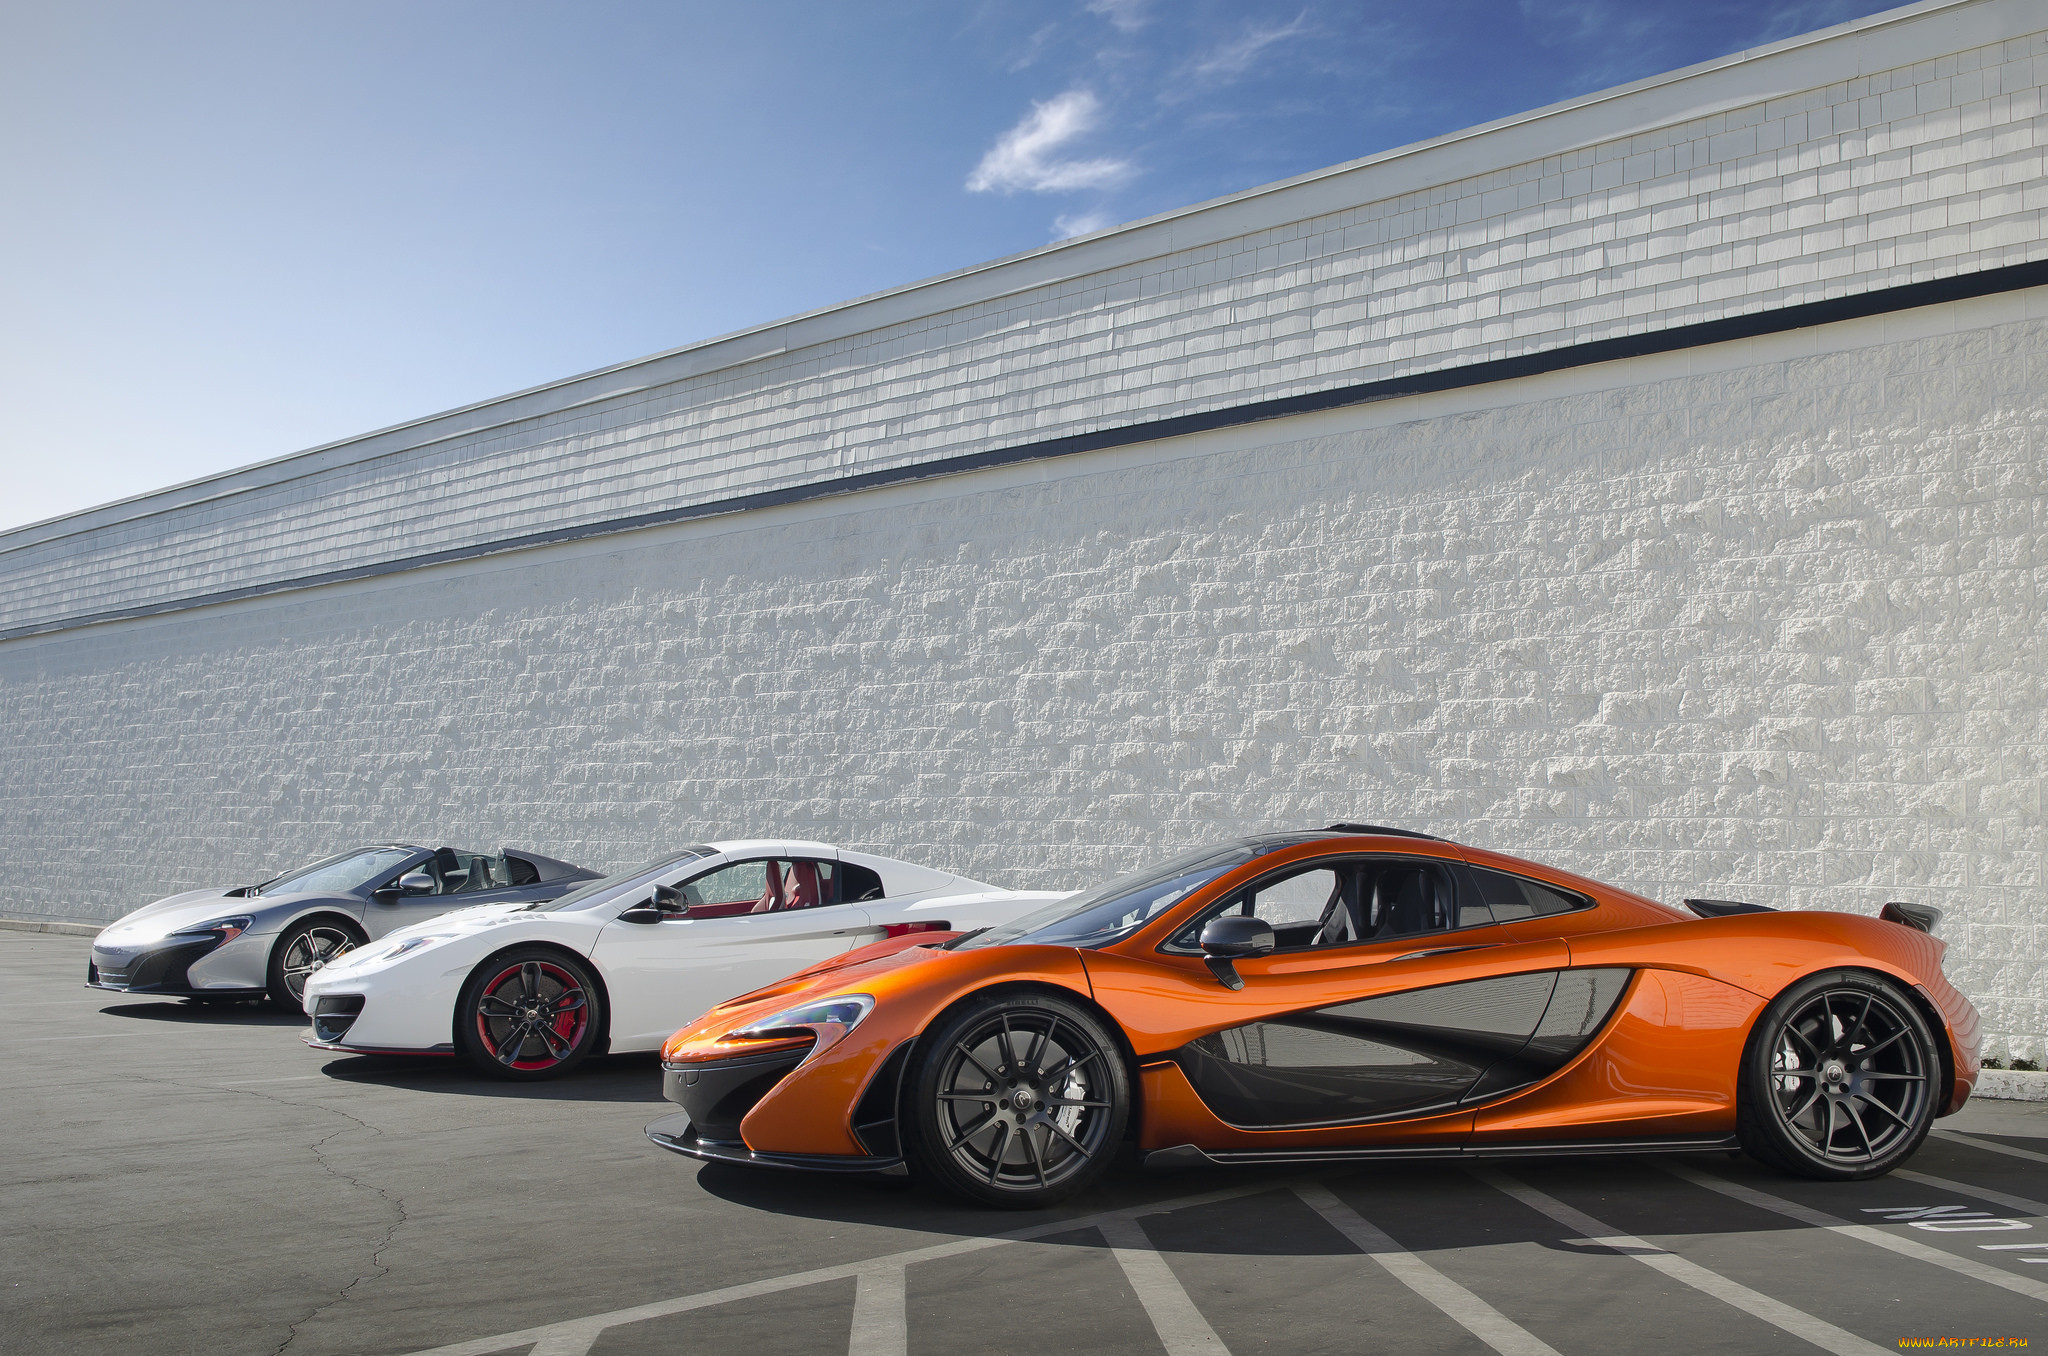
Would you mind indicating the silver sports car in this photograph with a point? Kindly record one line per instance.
(226, 945)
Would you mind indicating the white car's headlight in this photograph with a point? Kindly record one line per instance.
(829, 1019)
(370, 957)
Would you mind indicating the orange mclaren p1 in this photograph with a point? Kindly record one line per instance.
(1350, 993)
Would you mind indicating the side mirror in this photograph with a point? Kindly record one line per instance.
(665, 901)
(643, 912)
(1233, 938)
(415, 883)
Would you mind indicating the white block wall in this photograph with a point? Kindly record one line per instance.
(1896, 149)
(1755, 621)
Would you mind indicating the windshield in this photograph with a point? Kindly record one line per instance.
(350, 871)
(595, 893)
(1121, 907)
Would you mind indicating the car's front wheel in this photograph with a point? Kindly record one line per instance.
(302, 949)
(1017, 1101)
(529, 1013)
(1840, 1078)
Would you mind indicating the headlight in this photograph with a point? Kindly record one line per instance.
(369, 957)
(228, 928)
(827, 1018)
(414, 944)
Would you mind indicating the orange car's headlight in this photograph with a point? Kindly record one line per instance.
(830, 1018)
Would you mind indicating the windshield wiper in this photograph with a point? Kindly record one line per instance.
(963, 937)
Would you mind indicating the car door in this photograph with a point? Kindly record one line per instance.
(1391, 995)
(738, 925)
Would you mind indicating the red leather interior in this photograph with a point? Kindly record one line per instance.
(800, 886)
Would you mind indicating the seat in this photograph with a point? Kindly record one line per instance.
(447, 862)
(771, 892)
(800, 886)
(1340, 924)
(1408, 896)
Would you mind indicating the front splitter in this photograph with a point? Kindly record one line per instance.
(675, 1133)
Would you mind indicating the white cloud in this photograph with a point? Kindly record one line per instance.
(1234, 58)
(1025, 156)
(1127, 15)
(1080, 223)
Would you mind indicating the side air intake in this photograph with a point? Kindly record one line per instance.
(1723, 908)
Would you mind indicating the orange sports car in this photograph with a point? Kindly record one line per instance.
(1350, 993)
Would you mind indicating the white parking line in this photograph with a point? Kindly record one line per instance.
(1778, 1314)
(1458, 1304)
(2004, 1198)
(881, 1322)
(2005, 1149)
(1182, 1329)
(587, 1328)
(1864, 1233)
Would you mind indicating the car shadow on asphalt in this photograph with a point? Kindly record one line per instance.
(207, 1014)
(610, 1078)
(1426, 1204)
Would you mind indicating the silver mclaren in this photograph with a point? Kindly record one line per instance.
(253, 941)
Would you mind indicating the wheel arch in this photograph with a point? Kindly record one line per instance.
(324, 913)
(602, 1042)
(1020, 988)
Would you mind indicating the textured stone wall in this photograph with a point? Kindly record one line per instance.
(1898, 149)
(1756, 621)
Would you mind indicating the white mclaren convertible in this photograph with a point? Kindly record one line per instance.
(531, 990)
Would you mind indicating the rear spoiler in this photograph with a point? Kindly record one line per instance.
(1919, 917)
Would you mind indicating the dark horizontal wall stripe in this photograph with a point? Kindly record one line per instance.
(1883, 301)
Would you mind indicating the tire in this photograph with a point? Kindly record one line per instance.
(1058, 1098)
(529, 1013)
(303, 948)
(1839, 1079)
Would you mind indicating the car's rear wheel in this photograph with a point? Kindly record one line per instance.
(529, 1013)
(1017, 1101)
(1839, 1078)
(300, 951)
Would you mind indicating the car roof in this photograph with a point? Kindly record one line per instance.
(796, 845)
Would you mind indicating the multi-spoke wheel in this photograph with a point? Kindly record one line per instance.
(1018, 1101)
(1840, 1079)
(532, 1012)
(302, 949)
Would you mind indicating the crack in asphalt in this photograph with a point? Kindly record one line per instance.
(377, 1267)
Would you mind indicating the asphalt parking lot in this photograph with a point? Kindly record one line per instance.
(191, 1180)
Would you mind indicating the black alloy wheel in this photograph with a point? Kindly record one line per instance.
(1018, 1101)
(300, 951)
(529, 1013)
(1840, 1079)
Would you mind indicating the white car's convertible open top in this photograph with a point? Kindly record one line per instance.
(530, 990)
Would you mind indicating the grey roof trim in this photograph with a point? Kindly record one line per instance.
(1962, 286)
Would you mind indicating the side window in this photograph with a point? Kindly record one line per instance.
(1298, 906)
(1316, 907)
(858, 882)
(1517, 897)
(810, 884)
(743, 887)
(1405, 899)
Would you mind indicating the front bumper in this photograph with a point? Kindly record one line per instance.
(164, 968)
(675, 1133)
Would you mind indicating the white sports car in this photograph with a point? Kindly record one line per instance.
(530, 990)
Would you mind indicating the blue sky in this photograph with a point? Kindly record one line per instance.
(235, 230)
